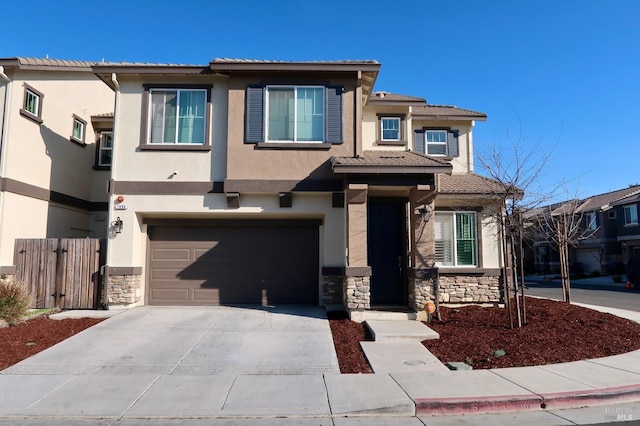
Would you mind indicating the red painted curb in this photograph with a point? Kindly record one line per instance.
(589, 397)
(478, 405)
(531, 402)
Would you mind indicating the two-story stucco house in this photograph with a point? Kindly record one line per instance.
(52, 112)
(269, 182)
(608, 237)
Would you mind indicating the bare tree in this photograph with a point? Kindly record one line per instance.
(563, 225)
(514, 168)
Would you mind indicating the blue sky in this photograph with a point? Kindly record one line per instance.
(564, 74)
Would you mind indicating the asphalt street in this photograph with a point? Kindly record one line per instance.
(601, 291)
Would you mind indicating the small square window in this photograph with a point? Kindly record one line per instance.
(32, 106)
(390, 128)
(78, 130)
(104, 150)
(612, 214)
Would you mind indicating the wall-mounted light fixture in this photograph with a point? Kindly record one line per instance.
(117, 225)
(425, 212)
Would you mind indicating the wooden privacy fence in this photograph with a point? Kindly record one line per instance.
(61, 272)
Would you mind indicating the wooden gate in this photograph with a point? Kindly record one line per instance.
(61, 272)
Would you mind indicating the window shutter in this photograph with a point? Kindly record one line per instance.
(452, 143)
(418, 142)
(254, 120)
(333, 118)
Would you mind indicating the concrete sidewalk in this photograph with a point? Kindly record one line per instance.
(134, 393)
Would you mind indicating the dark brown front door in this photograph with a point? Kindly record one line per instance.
(237, 264)
(386, 242)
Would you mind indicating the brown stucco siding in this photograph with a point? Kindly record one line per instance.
(249, 161)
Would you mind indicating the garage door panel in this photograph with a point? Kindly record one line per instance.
(234, 265)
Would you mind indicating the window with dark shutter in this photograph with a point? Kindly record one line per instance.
(254, 125)
(334, 115)
(452, 143)
(418, 141)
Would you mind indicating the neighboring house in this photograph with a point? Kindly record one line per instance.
(607, 237)
(269, 182)
(51, 115)
(628, 231)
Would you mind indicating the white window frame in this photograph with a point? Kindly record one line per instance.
(454, 255)
(396, 119)
(177, 128)
(633, 215)
(83, 129)
(295, 117)
(34, 95)
(591, 221)
(427, 143)
(101, 148)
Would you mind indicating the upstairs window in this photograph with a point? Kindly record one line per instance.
(390, 128)
(104, 149)
(590, 221)
(437, 142)
(308, 116)
(32, 106)
(177, 116)
(455, 238)
(295, 114)
(78, 130)
(631, 215)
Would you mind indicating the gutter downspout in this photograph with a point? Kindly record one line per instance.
(4, 131)
(105, 277)
(5, 121)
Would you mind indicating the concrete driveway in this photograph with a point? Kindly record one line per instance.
(195, 340)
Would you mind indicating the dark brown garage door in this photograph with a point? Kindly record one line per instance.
(272, 262)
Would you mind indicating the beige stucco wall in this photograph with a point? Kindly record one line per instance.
(20, 217)
(42, 155)
(464, 162)
(247, 162)
(131, 164)
(491, 247)
(371, 131)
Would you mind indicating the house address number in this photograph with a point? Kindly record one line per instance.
(120, 206)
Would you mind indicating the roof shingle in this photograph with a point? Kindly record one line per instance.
(446, 112)
(469, 183)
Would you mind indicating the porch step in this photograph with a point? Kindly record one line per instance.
(400, 331)
(361, 316)
(401, 357)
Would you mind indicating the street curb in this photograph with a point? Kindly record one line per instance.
(577, 399)
(477, 404)
(531, 402)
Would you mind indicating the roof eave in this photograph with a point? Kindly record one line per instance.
(378, 169)
(380, 102)
(293, 66)
(449, 117)
(15, 63)
(151, 69)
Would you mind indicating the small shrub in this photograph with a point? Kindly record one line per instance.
(15, 300)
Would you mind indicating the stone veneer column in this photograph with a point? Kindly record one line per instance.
(123, 285)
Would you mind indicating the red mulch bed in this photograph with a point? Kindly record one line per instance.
(32, 336)
(555, 332)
